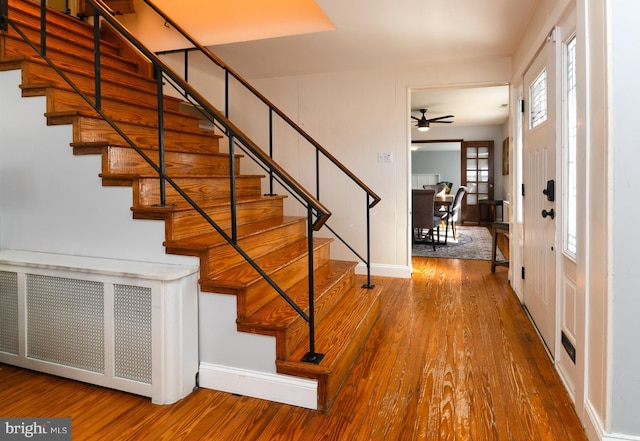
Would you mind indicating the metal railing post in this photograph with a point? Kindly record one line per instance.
(232, 189)
(368, 285)
(312, 356)
(161, 151)
(4, 15)
(96, 55)
(43, 27)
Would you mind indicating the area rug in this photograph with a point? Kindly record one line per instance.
(474, 243)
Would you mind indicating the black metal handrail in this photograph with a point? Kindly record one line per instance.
(236, 137)
(371, 197)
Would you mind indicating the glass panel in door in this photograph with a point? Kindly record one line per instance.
(477, 176)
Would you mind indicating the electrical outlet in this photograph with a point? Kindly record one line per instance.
(385, 157)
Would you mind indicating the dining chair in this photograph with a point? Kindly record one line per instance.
(454, 211)
(423, 216)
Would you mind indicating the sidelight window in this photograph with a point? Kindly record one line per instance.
(570, 150)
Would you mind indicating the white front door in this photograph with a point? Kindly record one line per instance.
(540, 194)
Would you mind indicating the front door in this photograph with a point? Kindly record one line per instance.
(540, 210)
(477, 175)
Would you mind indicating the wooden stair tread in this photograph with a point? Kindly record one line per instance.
(211, 204)
(241, 276)
(95, 148)
(208, 241)
(66, 114)
(278, 315)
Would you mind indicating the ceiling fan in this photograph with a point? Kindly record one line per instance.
(424, 122)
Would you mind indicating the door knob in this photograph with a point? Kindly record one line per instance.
(551, 213)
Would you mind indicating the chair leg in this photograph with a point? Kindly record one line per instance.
(455, 231)
(446, 231)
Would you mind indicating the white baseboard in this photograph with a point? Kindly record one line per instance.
(274, 387)
(398, 271)
(595, 430)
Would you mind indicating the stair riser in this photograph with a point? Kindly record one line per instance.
(260, 293)
(59, 100)
(79, 63)
(201, 190)
(187, 224)
(96, 130)
(220, 259)
(125, 160)
(114, 85)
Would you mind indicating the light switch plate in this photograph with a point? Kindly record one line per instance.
(385, 157)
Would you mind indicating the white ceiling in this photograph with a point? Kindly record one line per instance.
(374, 33)
(368, 34)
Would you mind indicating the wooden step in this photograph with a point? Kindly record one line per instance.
(90, 130)
(256, 239)
(201, 189)
(279, 319)
(58, 23)
(340, 338)
(37, 76)
(61, 100)
(60, 30)
(67, 57)
(183, 222)
(121, 164)
(286, 266)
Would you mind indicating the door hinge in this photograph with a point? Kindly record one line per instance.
(523, 273)
(522, 189)
(521, 106)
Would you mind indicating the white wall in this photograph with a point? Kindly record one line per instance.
(356, 115)
(624, 123)
(52, 201)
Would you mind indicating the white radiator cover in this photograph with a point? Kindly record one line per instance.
(126, 325)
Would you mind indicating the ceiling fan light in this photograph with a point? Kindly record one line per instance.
(423, 125)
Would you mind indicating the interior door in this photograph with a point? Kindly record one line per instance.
(477, 175)
(539, 202)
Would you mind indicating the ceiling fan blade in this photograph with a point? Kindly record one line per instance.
(440, 117)
(441, 122)
(416, 118)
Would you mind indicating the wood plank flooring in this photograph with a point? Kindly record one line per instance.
(452, 357)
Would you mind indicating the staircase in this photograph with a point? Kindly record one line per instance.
(344, 312)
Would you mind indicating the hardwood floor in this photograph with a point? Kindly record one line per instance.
(452, 357)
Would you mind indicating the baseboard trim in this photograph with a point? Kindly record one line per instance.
(273, 387)
(595, 430)
(398, 271)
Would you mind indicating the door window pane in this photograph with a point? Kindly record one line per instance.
(538, 100)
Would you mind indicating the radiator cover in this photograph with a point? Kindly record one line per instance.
(130, 326)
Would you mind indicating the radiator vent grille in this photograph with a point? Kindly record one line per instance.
(132, 321)
(66, 321)
(9, 312)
